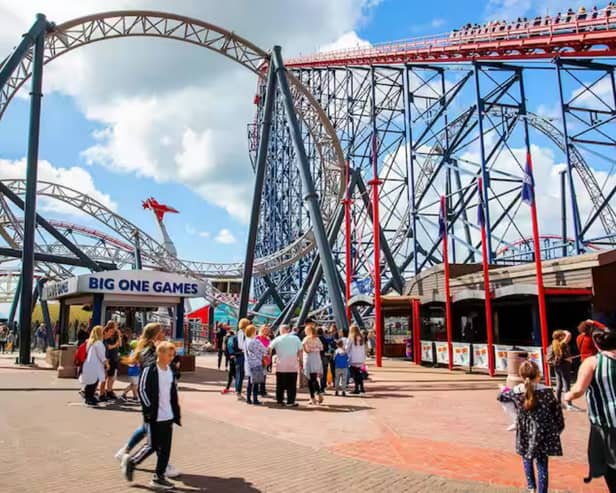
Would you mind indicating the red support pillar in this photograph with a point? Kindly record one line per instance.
(347, 236)
(378, 323)
(448, 315)
(416, 318)
(543, 317)
(486, 285)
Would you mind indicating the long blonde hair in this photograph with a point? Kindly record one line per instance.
(147, 338)
(529, 371)
(354, 334)
(558, 338)
(96, 334)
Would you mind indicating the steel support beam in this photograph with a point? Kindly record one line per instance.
(398, 281)
(53, 259)
(39, 28)
(14, 304)
(261, 165)
(311, 197)
(27, 262)
(272, 288)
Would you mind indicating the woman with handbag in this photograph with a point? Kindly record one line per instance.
(256, 354)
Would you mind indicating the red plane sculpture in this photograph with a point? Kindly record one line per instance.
(159, 209)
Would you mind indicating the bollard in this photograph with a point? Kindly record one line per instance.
(514, 360)
(66, 365)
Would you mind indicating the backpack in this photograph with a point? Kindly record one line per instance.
(232, 347)
(81, 354)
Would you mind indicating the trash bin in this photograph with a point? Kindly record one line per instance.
(514, 360)
(66, 367)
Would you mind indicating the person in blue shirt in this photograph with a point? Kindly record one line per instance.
(134, 371)
(341, 363)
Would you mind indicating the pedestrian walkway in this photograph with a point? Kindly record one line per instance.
(416, 430)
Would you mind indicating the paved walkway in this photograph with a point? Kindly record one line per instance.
(416, 430)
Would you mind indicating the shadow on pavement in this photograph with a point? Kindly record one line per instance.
(325, 407)
(212, 484)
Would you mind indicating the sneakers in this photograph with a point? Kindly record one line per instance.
(128, 468)
(573, 407)
(512, 427)
(111, 396)
(336, 393)
(343, 393)
(292, 404)
(171, 471)
(239, 396)
(91, 403)
(225, 391)
(120, 453)
(257, 403)
(312, 401)
(161, 483)
(320, 398)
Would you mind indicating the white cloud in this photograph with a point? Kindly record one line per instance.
(190, 229)
(174, 112)
(204, 234)
(512, 9)
(225, 237)
(75, 177)
(346, 41)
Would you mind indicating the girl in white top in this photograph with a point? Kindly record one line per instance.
(357, 357)
(94, 367)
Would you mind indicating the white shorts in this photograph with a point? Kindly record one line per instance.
(134, 380)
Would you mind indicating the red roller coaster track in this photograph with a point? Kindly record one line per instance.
(576, 38)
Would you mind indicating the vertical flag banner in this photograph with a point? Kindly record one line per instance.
(486, 275)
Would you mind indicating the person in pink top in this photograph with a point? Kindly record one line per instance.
(264, 337)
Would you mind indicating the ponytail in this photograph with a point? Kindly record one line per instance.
(529, 371)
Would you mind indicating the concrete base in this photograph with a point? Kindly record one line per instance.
(52, 357)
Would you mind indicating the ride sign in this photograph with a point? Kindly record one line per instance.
(144, 282)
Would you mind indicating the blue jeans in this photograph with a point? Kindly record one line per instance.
(239, 373)
(541, 485)
(136, 437)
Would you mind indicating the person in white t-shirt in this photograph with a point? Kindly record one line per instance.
(159, 402)
(288, 349)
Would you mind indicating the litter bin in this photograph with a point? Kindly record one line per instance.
(514, 360)
(67, 368)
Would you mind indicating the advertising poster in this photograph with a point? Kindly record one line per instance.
(442, 353)
(480, 356)
(426, 351)
(500, 360)
(461, 353)
(534, 354)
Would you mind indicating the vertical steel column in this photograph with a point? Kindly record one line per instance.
(410, 167)
(577, 236)
(376, 223)
(27, 259)
(416, 315)
(485, 174)
(311, 197)
(179, 320)
(261, 164)
(486, 285)
(137, 252)
(347, 241)
(563, 209)
(446, 281)
(14, 304)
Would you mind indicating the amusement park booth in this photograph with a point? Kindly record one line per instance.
(124, 289)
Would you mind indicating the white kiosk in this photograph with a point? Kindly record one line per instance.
(123, 288)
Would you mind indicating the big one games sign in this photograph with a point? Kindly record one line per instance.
(145, 282)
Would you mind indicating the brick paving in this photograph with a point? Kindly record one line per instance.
(416, 430)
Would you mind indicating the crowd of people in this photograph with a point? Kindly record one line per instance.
(502, 27)
(322, 357)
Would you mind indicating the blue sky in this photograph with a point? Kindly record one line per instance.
(90, 108)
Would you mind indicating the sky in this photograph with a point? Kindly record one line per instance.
(128, 119)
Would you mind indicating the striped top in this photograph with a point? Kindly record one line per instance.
(601, 393)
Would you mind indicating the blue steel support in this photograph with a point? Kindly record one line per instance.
(63, 319)
(272, 288)
(27, 262)
(97, 309)
(485, 174)
(179, 319)
(14, 304)
(575, 212)
(38, 29)
(137, 253)
(261, 164)
(311, 198)
(44, 307)
(410, 173)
